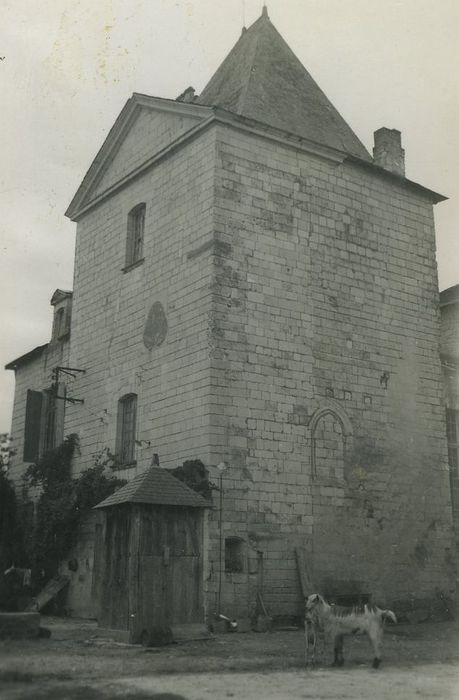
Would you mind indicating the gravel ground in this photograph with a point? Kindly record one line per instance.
(419, 661)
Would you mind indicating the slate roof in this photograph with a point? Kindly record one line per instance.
(262, 79)
(158, 487)
(28, 357)
(449, 296)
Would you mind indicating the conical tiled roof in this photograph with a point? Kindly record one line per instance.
(158, 487)
(262, 79)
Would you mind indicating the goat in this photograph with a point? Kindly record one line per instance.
(338, 621)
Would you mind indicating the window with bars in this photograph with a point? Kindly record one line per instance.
(126, 430)
(135, 233)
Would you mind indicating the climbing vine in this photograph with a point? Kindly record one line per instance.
(195, 475)
(62, 505)
(11, 536)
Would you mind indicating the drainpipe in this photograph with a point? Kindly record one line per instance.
(221, 468)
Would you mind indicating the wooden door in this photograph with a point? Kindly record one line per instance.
(111, 569)
(170, 587)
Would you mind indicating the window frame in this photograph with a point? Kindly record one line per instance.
(126, 430)
(61, 323)
(135, 236)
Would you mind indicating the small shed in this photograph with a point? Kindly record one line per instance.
(148, 561)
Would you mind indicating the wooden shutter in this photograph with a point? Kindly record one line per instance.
(32, 425)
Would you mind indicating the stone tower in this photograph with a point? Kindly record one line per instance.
(254, 290)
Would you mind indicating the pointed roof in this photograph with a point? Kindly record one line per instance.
(262, 79)
(449, 296)
(155, 486)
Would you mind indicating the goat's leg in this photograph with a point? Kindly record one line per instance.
(375, 634)
(310, 638)
(338, 650)
(320, 643)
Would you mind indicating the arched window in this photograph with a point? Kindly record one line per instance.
(330, 430)
(135, 233)
(328, 445)
(126, 430)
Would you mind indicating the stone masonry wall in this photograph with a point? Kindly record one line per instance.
(167, 296)
(152, 131)
(326, 403)
(111, 308)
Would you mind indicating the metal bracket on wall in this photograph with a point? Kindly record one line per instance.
(70, 372)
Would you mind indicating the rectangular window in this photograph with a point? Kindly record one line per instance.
(126, 429)
(138, 224)
(60, 324)
(234, 555)
(135, 234)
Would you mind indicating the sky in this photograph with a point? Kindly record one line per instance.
(68, 66)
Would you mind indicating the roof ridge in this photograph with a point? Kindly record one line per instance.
(244, 90)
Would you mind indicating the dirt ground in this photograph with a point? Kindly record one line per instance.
(419, 661)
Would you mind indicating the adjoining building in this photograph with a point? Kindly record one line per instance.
(255, 290)
(449, 352)
(39, 397)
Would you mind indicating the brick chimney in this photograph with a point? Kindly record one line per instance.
(388, 152)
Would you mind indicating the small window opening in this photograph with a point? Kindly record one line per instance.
(234, 555)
